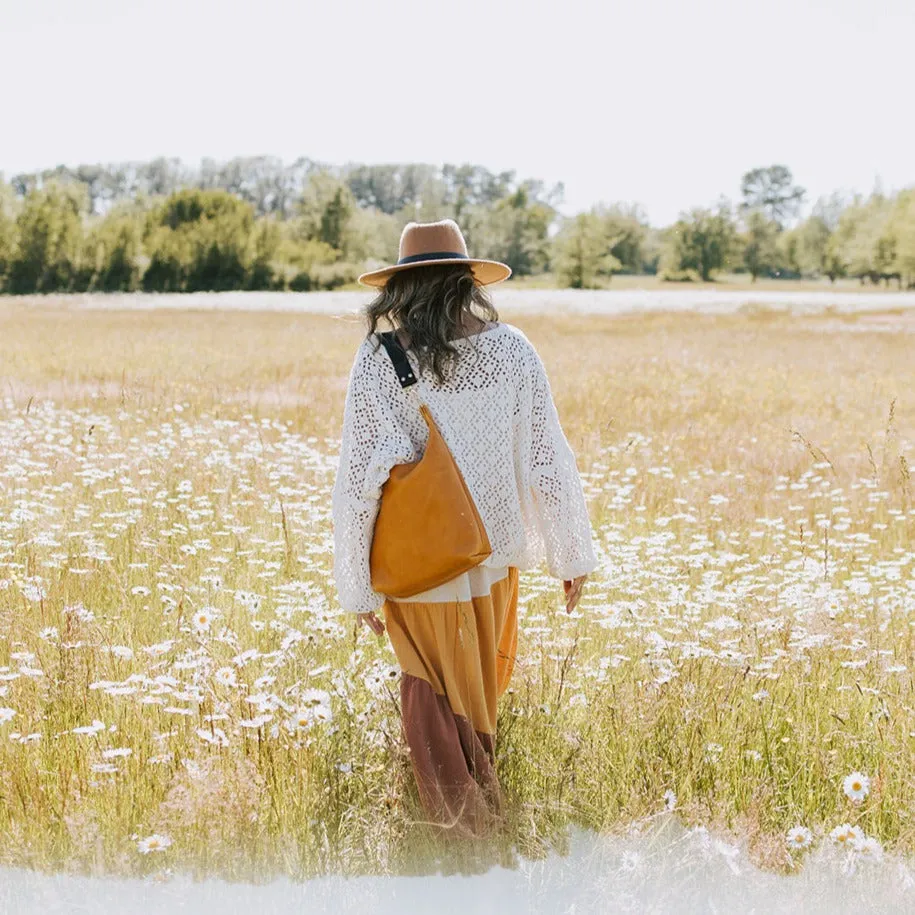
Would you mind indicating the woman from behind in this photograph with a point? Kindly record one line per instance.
(487, 390)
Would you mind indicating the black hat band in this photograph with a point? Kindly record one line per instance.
(432, 256)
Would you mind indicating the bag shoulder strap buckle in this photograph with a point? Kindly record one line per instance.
(401, 364)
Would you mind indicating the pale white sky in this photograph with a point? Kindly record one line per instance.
(661, 102)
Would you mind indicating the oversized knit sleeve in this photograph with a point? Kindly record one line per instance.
(371, 444)
(562, 513)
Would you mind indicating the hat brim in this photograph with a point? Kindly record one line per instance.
(485, 272)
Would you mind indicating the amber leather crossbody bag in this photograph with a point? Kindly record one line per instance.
(428, 529)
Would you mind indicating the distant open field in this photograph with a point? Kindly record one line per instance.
(725, 282)
(177, 664)
(708, 298)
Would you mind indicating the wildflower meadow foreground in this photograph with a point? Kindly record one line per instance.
(179, 688)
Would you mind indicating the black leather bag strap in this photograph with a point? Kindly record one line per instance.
(398, 357)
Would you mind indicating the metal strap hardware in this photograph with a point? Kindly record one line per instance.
(398, 357)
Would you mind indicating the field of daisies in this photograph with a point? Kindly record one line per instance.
(179, 688)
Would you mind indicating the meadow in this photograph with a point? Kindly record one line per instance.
(723, 281)
(179, 689)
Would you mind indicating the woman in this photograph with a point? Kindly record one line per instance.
(488, 393)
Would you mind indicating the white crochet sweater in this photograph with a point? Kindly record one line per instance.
(496, 414)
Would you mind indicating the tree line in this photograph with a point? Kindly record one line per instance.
(257, 223)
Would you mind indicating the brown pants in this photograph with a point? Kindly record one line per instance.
(456, 660)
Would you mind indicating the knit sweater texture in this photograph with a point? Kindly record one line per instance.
(497, 416)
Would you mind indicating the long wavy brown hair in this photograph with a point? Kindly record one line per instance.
(429, 306)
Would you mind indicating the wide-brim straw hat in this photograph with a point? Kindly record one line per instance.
(439, 242)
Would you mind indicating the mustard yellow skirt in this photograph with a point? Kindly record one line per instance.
(456, 645)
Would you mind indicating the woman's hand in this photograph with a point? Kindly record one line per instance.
(573, 592)
(372, 622)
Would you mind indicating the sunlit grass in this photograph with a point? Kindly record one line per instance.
(175, 664)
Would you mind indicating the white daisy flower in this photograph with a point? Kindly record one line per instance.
(34, 591)
(6, 714)
(243, 657)
(217, 737)
(160, 649)
(203, 618)
(155, 842)
(302, 718)
(225, 676)
(846, 834)
(856, 786)
(82, 614)
(322, 713)
(115, 752)
(799, 837)
(315, 697)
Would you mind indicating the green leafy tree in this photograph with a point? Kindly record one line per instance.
(265, 182)
(264, 268)
(514, 230)
(371, 236)
(334, 219)
(388, 188)
(162, 176)
(7, 229)
(699, 244)
(786, 245)
(113, 252)
(49, 230)
(901, 229)
(430, 205)
(171, 258)
(771, 191)
(862, 241)
(325, 209)
(628, 229)
(200, 240)
(222, 248)
(652, 248)
(760, 244)
(301, 264)
(813, 251)
(582, 252)
(462, 188)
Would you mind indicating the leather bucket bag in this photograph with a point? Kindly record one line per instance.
(427, 529)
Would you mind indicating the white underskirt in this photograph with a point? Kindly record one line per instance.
(475, 582)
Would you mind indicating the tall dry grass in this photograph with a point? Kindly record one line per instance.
(165, 588)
